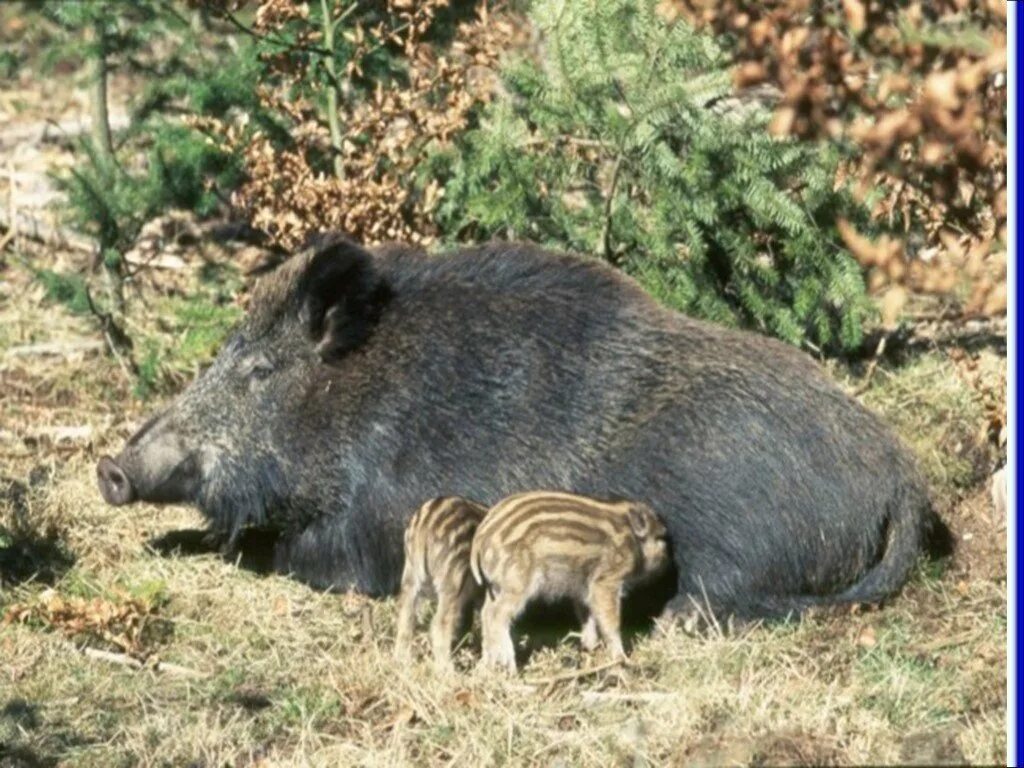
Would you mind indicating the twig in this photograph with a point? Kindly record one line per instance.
(115, 337)
(575, 674)
(55, 348)
(866, 383)
(233, 20)
(125, 660)
(578, 141)
(113, 658)
(593, 698)
(606, 227)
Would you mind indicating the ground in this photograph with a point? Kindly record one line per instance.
(118, 651)
(239, 668)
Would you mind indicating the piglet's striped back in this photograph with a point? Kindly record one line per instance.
(440, 534)
(553, 524)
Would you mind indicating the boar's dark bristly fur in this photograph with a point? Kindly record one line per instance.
(361, 383)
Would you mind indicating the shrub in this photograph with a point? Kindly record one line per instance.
(618, 140)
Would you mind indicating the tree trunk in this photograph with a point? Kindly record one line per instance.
(332, 89)
(101, 141)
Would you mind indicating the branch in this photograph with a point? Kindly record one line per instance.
(125, 660)
(575, 674)
(333, 90)
(115, 337)
(606, 227)
(33, 228)
(233, 20)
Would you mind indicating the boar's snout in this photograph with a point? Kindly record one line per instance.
(154, 466)
(114, 483)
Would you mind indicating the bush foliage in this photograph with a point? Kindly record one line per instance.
(610, 143)
(615, 129)
(916, 94)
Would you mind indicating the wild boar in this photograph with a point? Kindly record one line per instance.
(361, 383)
(549, 545)
(437, 545)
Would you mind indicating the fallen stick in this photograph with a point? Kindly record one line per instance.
(112, 658)
(575, 674)
(34, 228)
(56, 348)
(595, 698)
(125, 660)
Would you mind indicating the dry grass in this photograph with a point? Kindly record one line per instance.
(262, 670)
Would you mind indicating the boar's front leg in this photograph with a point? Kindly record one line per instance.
(453, 600)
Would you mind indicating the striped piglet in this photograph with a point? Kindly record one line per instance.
(437, 547)
(553, 545)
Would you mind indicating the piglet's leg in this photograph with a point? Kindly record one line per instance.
(452, 600)
(588, 634)
(406, 621)
(496, 618)
(603, 602)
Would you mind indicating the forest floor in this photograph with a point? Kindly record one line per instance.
(116, 649)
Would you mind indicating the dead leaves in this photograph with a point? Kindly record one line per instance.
(126, 623)
(890, 273)
(919, 88)
(385, 136)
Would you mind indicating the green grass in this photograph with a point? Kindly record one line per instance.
(191, 331)
(933, 410)
(66, 289)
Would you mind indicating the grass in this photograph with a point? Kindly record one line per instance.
(66, 289)
(190, 332)
(262, 670)
(938, 416)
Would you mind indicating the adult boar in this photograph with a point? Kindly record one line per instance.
(362, 383)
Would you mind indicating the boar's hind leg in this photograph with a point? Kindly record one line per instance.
(408, 602)
(604, 603)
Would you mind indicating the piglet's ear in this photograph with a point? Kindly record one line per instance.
(341, 296)
(641, 520)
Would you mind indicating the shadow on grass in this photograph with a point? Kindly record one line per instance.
(27, 554)
(20, 715)
(14, 756)
(253, 551)
(545, 625)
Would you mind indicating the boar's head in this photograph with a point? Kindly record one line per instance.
(234, 442)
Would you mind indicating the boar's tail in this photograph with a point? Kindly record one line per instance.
(913, 529)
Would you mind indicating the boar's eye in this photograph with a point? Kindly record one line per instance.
(256, 368)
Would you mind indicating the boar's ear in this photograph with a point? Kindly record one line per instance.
(341, 296)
